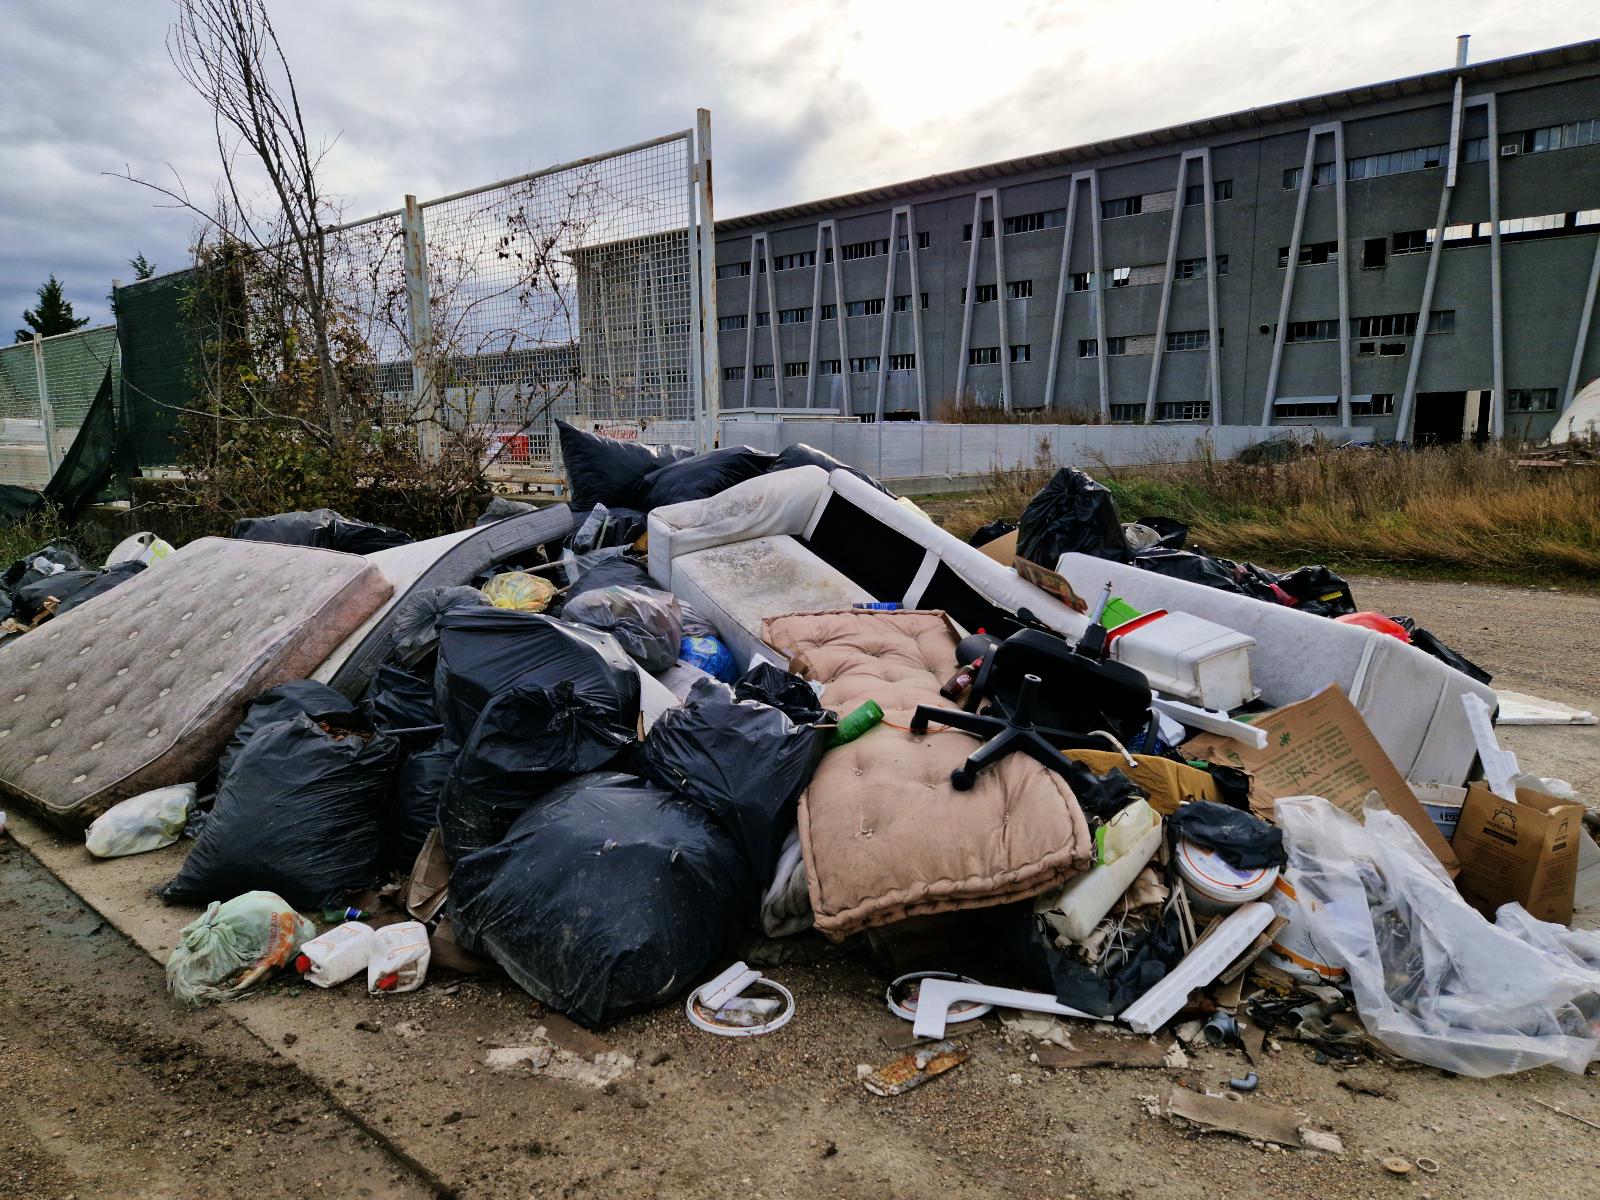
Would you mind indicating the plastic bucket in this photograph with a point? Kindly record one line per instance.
(1293, 951)
(1214, 885)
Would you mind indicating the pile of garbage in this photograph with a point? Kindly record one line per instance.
(511, 793)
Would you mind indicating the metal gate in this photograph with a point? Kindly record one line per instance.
(46, 388)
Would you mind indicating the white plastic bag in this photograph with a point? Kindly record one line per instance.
(235, 945)
(1433, 980)
(145, 822)
(399, 958)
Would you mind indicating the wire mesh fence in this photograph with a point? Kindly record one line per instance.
(45, 394)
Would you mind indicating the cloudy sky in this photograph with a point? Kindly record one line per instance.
(808, 99)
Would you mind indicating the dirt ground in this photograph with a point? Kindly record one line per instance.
(297, 1091)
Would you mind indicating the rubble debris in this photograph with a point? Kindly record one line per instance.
(1254, 1120)
(538, 1054)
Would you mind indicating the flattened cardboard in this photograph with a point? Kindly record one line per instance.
(1046, 580)
(1003, 549)
(1322, 747)
(1526, 851)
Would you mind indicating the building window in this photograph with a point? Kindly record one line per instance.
(1019, 289)
(736, 270)
(794, 316)
(966, 230)
(828, 366)
(1021, 354)
(1127, 414)
(1088, 348)
(1442, 320)
(1396, 162)
(1374, 254)
(1120, 276)
(1321, 175)
(854, 250)
(923, 298)
(1195, 193)
(864, 308)
(724, 324)
(1188, 339)
(863, 366)
(1116, 346)
(1540, 224)
(763, 319)
(1312, 254)
(1411, 241)
(1391, 349)
(1313, 331)
(790, 262)
(902, 304)
(1082, 281)
(983, 356)
(1128, 206)
(1306, 406)
(987, 293)
(1184, 410)
(1530, 400)
(732, 374)
(1195, 268)
(830, 312)
(1033, 222)
(902, 243)
(763, 371)
(1475, 149)
(796, 370)
(1561, 137)
(1379, 404)
(902, 362)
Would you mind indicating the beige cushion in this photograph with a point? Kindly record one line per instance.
(140, 687)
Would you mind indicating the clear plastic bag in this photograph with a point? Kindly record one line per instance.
(235, 945)
(145, 822)
(1433, 980)
(647, 623)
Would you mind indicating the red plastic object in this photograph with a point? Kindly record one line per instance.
(387, 982)
(1376, 622)
(302, 964)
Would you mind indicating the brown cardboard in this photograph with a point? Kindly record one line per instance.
(1050, 581)
(1322, 747)
(1002, 549)
(1524, 850)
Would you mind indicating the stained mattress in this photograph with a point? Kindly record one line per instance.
(140, 687)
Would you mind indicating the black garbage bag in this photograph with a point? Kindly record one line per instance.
(614, 570)
(104, 581)
(701, 476)
(768, 683)
(992, 532)
(1428, 644)
(610, 894)
(529, 738)
(483, 651)
(321, 527)
(1100, 990)
(1073, 513)
(802, 455)
(49, 559)
(70, 588)
(646, 622)
(1318, 590)
(1240, 838)
(745, 762)
(1173, 534)
(603, 470)
(603, 526)
(1220, 573)
(416, 614)
(401, 704)
(284, 703)
(301, 814)
(501, 507)
(1101, 796)
(414, 804)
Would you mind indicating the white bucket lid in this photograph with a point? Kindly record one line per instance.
(1207, 872)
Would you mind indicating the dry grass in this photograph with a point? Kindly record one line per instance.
(1462, 511)
(948, 412)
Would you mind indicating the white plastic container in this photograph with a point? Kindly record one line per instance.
(399, 960)
(1215, 885)
(1293, 951)
(1074, 911)
(141, 547)
(1124, 831)
(1190, 658)
(332, 957)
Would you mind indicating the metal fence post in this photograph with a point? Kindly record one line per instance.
(709, 376)
(424, 386)
(47, 416)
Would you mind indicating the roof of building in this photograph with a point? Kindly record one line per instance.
(1329, 104)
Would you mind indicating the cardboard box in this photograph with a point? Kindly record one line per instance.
(1322, 747)
(1524, 850)
(1003, 549)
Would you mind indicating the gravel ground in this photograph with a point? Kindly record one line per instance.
(281, 1090)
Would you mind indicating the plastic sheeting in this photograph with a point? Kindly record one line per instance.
(1433, 980)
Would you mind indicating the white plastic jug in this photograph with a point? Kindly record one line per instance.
(332, 957)
(399, 959)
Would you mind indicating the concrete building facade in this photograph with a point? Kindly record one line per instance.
(1419, 256)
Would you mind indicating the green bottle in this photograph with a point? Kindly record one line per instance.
(857, 723)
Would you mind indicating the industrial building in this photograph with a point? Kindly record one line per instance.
(1419, 256)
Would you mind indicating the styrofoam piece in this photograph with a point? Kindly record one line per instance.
(937, 995)
(1212, 722)
(1499, 766)
(1518, 708)
(1199, 967)
(1089, 895)
(1191, 659)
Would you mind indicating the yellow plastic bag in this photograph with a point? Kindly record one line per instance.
(519, 591)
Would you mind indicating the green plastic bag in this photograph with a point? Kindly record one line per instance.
(235, 945)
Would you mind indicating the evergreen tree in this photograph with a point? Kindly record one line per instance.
(143, 268)
(52, 316)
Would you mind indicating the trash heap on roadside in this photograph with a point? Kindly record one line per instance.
(743, 707)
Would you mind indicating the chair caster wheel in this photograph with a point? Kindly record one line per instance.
(962, 779)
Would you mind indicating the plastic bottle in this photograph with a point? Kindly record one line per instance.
(330, 915)
(399, 960)
(877, 605)
(857, 723)
(332, 957)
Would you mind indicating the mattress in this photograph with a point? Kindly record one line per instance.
(140, 687)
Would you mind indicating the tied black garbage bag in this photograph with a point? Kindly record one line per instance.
(283, 703)
(401, 704)
(1243, 840)
(612, 570)
(1073, 513)
(416, 615)
(1314, 589)
(300, 814)
(647, 623)
(483, 651)
(603, 470)
(321, 527)
(608, 895)
(414, 804)
(770, 684)
(1428, 644)
(702, 475)
(529, 738)
(802, 455)
(70, 588)
(746, 763)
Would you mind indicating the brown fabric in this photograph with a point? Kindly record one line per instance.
(141, 686)
(883, 833)
(1168, 783)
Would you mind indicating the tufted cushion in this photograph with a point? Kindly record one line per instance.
(139, 687)
(883, 833)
